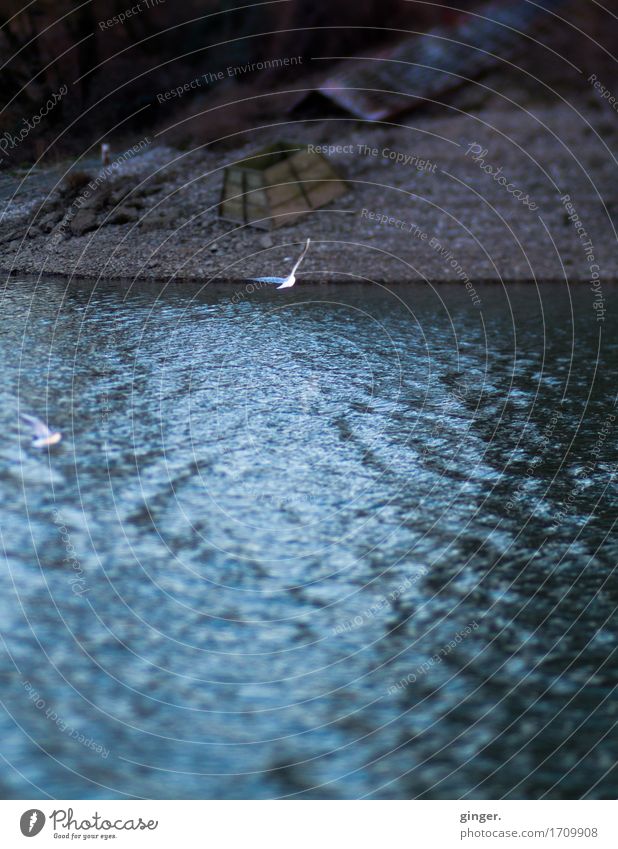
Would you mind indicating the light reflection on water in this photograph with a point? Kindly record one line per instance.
(282, 513)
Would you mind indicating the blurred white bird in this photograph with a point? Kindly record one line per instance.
(42, 436)
(290, 280)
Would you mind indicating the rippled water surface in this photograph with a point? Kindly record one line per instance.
(334, 542)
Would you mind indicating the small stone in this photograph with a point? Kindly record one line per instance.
(84, 221)
(266, 241)
(50, 219)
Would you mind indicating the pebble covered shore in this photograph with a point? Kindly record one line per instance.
(471, 196)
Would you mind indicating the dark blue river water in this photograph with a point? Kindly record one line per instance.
(334, 542)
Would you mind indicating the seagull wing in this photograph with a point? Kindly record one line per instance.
(301, 257)
(275, 280)
(39, 428)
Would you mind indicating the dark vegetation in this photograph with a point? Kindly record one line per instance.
(114, 73)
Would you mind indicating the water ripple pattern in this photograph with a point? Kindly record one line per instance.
(357, 542)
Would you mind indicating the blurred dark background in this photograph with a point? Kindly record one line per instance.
(115, 72)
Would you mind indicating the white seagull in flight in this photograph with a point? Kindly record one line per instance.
(290, 280)
(42, 436)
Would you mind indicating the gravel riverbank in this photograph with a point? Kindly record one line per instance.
(471, 196)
